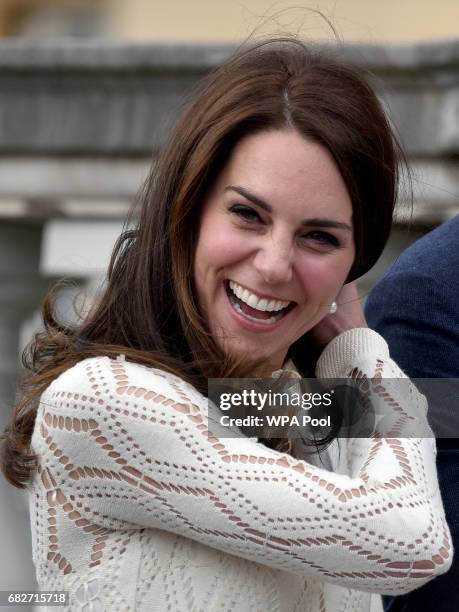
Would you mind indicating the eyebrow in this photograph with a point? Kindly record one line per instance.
(314, 222)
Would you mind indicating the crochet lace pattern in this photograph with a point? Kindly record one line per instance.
(136, 507)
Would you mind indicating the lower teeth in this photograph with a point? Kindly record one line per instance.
(269, 321)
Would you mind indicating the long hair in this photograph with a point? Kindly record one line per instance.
(149, 309)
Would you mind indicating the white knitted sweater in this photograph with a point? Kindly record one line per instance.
(135, 507)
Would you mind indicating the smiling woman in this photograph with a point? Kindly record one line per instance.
(274, 192)
(257, 253)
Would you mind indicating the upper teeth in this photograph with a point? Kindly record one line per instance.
(256, 302)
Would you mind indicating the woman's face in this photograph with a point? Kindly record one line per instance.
(275, 244)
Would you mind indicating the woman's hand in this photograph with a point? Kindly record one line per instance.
(348, 316)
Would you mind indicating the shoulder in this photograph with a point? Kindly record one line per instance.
(434, 256)
(428, 271)
(444, 235)
(104, 376)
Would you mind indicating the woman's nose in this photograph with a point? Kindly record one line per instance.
(274, 261)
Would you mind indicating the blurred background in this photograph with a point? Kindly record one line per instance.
(88, 91)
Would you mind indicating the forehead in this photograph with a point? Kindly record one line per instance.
(287, 170)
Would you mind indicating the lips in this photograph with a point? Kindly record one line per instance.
(255, 299)
(261, 319)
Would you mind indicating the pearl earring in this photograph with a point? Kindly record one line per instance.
(333, 308)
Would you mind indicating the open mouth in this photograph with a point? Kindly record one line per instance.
(253, 314)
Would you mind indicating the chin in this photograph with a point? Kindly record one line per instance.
(250, 350)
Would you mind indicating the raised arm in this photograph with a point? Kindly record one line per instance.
(133, 441)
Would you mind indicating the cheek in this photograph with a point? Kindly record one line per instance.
(219, 248)
(324, 276)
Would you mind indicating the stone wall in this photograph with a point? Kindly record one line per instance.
(81, 120)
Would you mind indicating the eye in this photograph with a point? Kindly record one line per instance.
(249, 215)
(323, 238)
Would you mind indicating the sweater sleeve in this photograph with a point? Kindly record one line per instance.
(131, 443)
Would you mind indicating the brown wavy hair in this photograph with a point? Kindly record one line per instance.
(149, 310)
